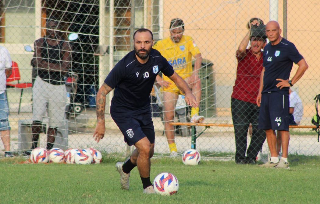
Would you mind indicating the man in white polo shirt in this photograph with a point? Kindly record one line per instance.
(5, 72)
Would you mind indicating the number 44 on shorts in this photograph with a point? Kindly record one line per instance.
(278, 121)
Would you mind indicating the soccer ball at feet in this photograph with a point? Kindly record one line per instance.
(166, 184)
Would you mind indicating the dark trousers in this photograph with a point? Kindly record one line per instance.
(244, 113)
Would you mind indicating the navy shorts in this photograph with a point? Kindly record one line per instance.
(274, 111)
(135, 127)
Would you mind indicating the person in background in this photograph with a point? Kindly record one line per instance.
(5, 72)
(52, 58)
(273, 97)
(132, 80)
(179, 49)
(295, 113)
(243, 99)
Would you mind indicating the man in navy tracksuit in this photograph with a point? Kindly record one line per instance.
(273, 98)
(133, 78)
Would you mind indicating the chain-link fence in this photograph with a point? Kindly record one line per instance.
(104, 35)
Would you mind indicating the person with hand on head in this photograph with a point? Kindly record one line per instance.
(5, 72)
(273, 97)
(132, 80)
(243, 99)
(179, 49)
(52, 58)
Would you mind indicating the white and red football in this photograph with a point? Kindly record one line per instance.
(69, 156)
(39, 155)
(96, 156)
(83, 156)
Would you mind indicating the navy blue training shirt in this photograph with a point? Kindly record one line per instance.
(278, 61)
(133, 81)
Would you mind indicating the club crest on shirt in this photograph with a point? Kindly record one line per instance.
(277, 53)
(130, 133)
(182, 47)
(155, 69)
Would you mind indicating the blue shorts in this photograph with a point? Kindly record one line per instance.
(135, 127)
(4, 112)
(274, 111)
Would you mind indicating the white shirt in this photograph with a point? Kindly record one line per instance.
(296, 103)
(5, 63)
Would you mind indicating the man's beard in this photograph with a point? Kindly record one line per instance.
(175, 40)
(142, 56)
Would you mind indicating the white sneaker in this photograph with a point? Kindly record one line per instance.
(269, 164)
(282, 165)
(149, 190)
(173, 154)
(197, 119)
(124, 178)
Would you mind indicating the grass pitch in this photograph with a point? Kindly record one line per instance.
(209, 182)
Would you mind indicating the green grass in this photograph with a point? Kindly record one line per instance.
(209, 182)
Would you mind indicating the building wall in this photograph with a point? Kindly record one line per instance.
(218, 27)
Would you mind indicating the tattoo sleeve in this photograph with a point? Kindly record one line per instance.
(101, 101)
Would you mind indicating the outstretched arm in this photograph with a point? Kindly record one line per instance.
(100, 110)
(183, 86)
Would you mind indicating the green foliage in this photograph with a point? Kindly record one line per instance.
(209, 182)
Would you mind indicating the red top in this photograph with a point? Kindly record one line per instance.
(247, 83)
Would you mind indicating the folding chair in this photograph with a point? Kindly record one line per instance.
(15, 76)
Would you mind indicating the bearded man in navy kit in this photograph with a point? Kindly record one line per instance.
(278, 58)
(133, 78)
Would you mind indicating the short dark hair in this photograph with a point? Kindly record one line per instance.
(141, 30)
(176, 23)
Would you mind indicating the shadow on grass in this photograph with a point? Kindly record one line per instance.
(296, 159)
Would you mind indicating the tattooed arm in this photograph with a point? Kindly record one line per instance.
(100, 110)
